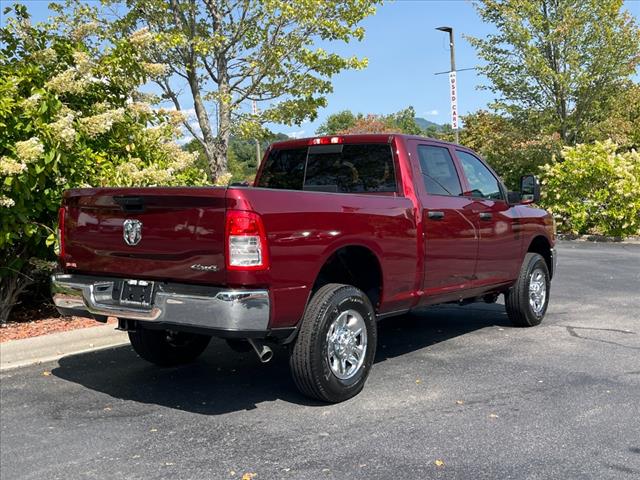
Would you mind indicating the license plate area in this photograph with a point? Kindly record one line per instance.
(138, 293)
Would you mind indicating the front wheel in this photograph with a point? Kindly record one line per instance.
(167, 348)
(336, 345)
(528, 299)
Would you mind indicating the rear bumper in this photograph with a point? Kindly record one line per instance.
(218, 310)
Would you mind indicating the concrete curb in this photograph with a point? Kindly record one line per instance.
(565, 237)
(47, 348)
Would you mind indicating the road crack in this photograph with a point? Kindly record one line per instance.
(572, 331)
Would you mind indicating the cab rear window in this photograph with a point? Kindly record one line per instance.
(284, 169)
(353, 168)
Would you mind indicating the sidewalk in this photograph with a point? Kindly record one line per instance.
(47, 348)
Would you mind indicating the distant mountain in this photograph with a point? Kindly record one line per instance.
(424, 123)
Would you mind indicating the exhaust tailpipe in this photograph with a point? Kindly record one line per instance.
(264, 352)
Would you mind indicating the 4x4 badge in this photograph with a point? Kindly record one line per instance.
(204, 268)
(132, 232)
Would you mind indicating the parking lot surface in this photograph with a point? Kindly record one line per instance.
(455, 392)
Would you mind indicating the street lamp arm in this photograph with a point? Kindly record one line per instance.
(458, 70)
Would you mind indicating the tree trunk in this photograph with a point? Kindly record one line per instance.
(11, 286)
(218, 164)
(215, 147)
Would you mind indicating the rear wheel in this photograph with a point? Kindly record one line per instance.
(335, 348)
(167, 348)
(527, 300)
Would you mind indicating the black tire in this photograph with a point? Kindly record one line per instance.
(309, 359)
(166, 348)
(519, 309)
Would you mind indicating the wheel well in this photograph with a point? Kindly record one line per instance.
(353, 265)
(541, 246)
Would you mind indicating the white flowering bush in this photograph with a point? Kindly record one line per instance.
(594, 190)
(70, 116)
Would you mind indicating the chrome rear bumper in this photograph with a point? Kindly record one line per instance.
(202, 307)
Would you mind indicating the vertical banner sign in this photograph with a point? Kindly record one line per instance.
(255, 111)
(453, 89)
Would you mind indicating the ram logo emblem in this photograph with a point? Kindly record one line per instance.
(132, 232)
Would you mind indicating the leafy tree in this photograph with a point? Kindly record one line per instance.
(511, 150)
(441, 132)
(337, 122)
(228, 53)
(622, 124)
(245, 156)
(558, 65)
(242, 160)
(370, 124)
(594, 190)
(70, 116)
(405, 121)
(346, 121)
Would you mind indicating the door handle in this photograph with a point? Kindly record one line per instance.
(435, 215)
(486, 216)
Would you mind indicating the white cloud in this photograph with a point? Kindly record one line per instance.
(189, 112)
(431, 113)
(297, 134)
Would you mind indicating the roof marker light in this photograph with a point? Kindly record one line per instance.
(325, 140)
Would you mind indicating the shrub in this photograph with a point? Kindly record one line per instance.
(594, 190)
(71, 116)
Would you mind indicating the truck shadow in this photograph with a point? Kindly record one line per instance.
(223, 381)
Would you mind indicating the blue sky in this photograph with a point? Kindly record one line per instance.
(404, 52)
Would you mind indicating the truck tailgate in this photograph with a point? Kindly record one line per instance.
(174, 233)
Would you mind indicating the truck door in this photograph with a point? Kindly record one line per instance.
(450, 236)
(499, 246)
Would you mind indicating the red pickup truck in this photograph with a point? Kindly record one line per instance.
(334, 234)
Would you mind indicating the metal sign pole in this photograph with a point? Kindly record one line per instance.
(453, 81)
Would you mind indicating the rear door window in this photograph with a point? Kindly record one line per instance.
(438, 171)
(351, 168)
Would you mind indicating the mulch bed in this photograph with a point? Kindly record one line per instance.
(28, 321)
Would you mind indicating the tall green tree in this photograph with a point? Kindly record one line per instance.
(228, 53)
(558, 65)
(403, 121)
(622, 124)
(510, 149)
(337, 122)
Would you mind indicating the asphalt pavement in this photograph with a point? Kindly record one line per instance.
(455, 392)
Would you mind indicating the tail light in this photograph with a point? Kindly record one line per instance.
(246, 241)
(61, 214)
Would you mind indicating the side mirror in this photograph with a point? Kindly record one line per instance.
(529, 189)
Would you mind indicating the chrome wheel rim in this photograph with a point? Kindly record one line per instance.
(537, 291)
(346, 344)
